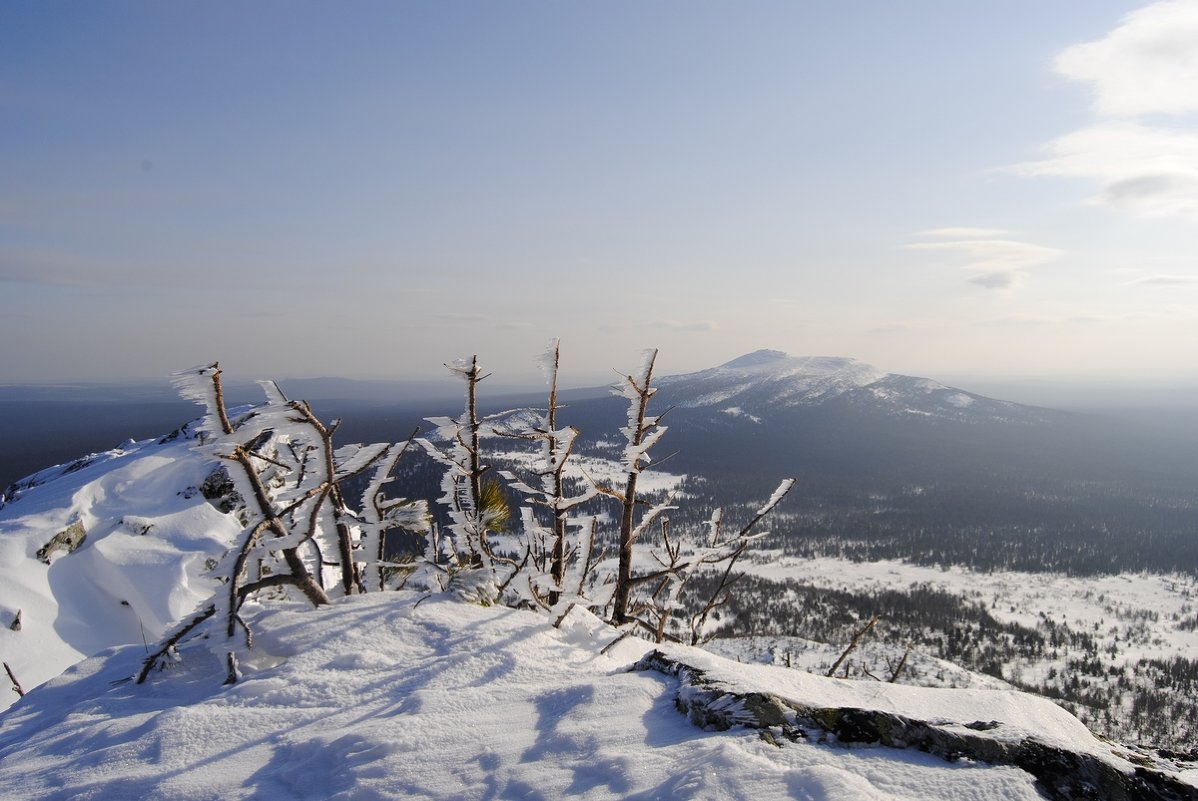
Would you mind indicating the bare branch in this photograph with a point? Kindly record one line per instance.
(852, 644)
(173, 640)
(16, 685)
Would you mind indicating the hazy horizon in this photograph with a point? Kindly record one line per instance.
(991, 189)
(1076, 392)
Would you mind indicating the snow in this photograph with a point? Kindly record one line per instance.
(389, 696)
(755, 386)
(787, 379)
(1022, 715)
(736, 411)
(607, 472)
(1101, 605)
(786, 486)
(406, 695)
(757, 358)
(150, 538)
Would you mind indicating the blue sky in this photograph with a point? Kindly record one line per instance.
(370, 189)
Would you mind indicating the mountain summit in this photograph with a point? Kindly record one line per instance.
(757, 358)
(757, 384)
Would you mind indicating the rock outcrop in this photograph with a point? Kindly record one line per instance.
(1061, 774)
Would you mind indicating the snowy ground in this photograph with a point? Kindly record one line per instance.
(377, 697)
(1138, 614)
(150, 537)
(1119, 650)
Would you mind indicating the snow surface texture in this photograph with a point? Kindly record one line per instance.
(386, 696)
(150, 539)
(381, 696)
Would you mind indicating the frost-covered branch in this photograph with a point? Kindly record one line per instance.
(380, 514)
(641, 433)
(556, 447)
(290, 475)
(476, 508)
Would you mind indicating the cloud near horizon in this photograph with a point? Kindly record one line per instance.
(996, 264)
(1148, 65)
(678, 325)
(1165, 280)
(965, 233)
(1150, 172)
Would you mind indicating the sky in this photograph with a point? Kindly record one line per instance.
(371, 189)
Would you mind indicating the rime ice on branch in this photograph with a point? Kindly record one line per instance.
(283, 462)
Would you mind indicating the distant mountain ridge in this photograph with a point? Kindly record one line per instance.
(753, 385)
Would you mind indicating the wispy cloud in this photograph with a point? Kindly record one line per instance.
(475, 318)
(1144, 170)
(999, 279)
(1015, 321)
(1058, 320)
(679, 325)
(997, 264)
(1148, 65)
(1165, 280)
(965, 233)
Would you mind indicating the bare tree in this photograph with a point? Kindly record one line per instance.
(476, 508)
(726, 552)
(381, 514)
(290, 475)
(641, 434)
(648, 599)
(551, 549)
(873, 620)
(679, 560)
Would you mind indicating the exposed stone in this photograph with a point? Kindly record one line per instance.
(219, 490)
(1060, 774)
(67, 541)
(78, 464)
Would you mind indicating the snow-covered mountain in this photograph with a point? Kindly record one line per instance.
(758, 384)
(113, 547)
(401, 695)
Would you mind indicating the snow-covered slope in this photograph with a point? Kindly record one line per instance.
(754, 384)
(147, 537)
(399, 695)
(392, 696)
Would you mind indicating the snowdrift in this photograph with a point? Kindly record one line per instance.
(397, 695)
(149, 537)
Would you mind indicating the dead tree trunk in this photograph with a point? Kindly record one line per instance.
(16, 685)
(638, 391)
(852, 645)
